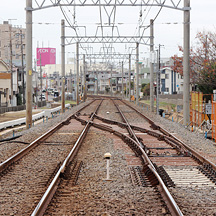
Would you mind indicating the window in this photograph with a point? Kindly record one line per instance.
(167, 89)
(17, 46)
(17, 35)
(17, 56)
(166, 76)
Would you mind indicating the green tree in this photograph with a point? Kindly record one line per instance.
(146, 89)
(202, 62)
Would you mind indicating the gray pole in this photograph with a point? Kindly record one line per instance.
(186, 64)
(97, 81)
(41, 79)
(28, 63)
(111, 82)
(77, 74)
(63, 64)
(36, 75)
(151, 66)
(137, 73)
(84, 79)
(126, 87)
(122, 81)
(129, 74)
(23, 81)
(11, 66)
(157, 78)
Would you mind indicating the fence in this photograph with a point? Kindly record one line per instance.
(198, 114)
(10, 109)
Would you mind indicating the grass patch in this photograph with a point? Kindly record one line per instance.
(70, 102)
(162, 105)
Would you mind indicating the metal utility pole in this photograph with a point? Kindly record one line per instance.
(122, 81)
(28, 63)
(97, 81)
(84, 79)
(151, 66)
(11, 64)
(111, 82)
(77, 74)
(41, 78)
(129, 74)
(157, 78)
(186, 64)
(35, 65)
(137, 73)
(23, 81)
(63, 64)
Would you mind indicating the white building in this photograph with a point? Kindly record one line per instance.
(170, 81)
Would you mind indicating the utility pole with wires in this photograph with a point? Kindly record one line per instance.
(22, 66)
(151, 66)
(122, 80)
(158, 80)
(11, 64)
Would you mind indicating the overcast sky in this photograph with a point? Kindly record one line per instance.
(126, 18)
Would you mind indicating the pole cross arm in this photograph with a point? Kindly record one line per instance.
(172, 4)
(108, 39)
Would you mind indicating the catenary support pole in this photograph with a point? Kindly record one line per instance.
(151, 66)
(137, 73)
(111, 82)
(84, 79)
(157, 80)
(28, 63)
(63, 64)
(77, 74)
(129, 74)
(122, 80)
(186, 64)
(97, 81)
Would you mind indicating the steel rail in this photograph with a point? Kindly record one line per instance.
(171, 204)
(36, 142)
(45, 200)
(164, 131)
(160, 136)
(131, 132)
(173, 207)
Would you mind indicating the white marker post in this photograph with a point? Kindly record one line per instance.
(107, 156)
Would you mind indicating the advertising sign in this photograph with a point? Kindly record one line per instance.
(46, 56)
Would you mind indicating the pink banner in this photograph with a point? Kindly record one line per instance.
(46, 56)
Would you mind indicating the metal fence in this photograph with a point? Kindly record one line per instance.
(11, 109)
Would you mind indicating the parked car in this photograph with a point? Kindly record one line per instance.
(56, 93)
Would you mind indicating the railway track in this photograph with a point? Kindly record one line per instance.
(26, 175)
(153, 159)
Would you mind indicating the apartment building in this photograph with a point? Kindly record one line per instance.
(12, 43)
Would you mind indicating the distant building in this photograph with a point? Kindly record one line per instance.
(15, 36)
(171, 82)
(5, 84)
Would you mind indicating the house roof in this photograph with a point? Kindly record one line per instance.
(4, 64)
